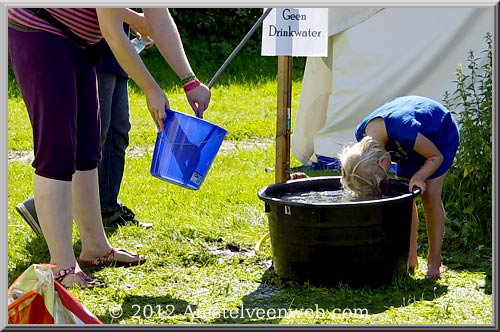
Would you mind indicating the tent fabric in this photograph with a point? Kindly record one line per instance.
(343, 18)
(377, 54)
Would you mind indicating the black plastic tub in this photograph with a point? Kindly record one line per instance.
(364, 242)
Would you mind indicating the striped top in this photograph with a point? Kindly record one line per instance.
(81, 21)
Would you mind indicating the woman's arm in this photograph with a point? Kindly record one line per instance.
(111, 24)
(168, 41)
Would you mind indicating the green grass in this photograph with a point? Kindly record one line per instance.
(193, 276)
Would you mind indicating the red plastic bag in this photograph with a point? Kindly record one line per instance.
(35, 298)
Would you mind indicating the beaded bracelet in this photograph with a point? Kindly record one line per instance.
(191, 85)
(188, 78)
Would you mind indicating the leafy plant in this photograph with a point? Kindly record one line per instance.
(468, 191)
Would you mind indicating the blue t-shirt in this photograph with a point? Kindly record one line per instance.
(404, 118)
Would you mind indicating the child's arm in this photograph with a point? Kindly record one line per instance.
(376, 129)
(426, 148)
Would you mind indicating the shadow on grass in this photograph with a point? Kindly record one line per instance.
(39, 254)
(156, 308)
(37, 246)
(277, 298)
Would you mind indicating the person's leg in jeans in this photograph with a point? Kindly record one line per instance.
(115, 127)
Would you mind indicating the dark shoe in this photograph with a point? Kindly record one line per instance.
(110, 260)
(126, 217)
(27, 210)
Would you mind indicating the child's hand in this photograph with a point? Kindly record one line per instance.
(417, 181)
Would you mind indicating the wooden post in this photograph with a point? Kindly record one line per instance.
(283, 119)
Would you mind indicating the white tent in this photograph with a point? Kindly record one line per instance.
(376, 54)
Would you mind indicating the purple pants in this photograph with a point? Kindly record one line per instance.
(59, 88)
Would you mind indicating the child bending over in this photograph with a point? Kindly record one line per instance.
(421, 136)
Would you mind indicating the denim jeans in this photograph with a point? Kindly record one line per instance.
(115, 127)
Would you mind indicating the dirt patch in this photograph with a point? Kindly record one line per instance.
(231, 249)
(26, 157)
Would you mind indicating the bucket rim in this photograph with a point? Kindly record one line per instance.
(182, 114)
(161, 137)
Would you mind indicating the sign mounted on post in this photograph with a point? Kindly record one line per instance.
(295, 32)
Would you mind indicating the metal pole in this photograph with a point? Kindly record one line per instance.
(238, 48)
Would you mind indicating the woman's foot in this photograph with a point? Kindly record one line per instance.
(114, 257)
(75, 277)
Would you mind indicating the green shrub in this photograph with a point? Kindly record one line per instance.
(467, 194)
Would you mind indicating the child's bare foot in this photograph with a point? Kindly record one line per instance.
(434, 268)
(434, 273)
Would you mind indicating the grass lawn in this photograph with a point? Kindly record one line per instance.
(202, 267)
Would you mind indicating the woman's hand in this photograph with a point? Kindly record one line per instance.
(199, 98)
(157, 103)
(111, 24)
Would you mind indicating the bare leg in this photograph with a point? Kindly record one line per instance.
(412, 257)
(53, 208)
(435, 219)
(54, 205)
(87, 212)
(86, 209)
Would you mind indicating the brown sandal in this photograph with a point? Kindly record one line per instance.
(88, 282)
(110, 260)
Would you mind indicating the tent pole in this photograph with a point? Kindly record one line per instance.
(283, 119)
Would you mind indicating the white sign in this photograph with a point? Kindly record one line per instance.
(295, 32)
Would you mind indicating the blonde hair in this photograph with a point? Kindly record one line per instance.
(361, 171)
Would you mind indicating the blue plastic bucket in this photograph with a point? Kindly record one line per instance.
(185, 149)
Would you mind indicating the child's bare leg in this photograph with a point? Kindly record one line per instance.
(435, 218)
(412, 257)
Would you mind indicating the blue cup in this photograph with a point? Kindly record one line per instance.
(185, 149)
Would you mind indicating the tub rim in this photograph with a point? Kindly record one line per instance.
(382, 201)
